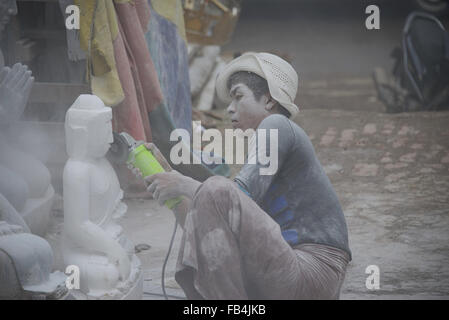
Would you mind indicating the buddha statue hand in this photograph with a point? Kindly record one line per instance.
(120, 256)
(15, 88)
(8, 229)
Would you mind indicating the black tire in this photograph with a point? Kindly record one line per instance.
(436, 7)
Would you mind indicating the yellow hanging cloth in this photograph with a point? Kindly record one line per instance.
(99, 40)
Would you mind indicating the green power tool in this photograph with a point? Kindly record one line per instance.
(125, 149)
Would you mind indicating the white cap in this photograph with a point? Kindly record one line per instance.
(281, 77)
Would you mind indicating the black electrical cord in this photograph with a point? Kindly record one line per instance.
(161, 295)
(166, 259)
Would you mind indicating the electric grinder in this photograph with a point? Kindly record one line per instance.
(125, 149)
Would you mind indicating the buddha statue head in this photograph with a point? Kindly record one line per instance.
(88, 128)
(8, 8)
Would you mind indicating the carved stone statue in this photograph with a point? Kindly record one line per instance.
(8, 8)
(92, 240)
(24, 180)
(26, 261)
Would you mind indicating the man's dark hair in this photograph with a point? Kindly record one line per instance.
(257, 85)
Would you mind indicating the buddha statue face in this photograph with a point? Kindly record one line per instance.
(8, 8)
(88, 128)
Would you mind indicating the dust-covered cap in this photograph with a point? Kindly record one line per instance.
(282, 79)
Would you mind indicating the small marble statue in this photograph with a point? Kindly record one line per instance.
(92, 240)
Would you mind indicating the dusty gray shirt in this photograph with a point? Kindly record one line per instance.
(299, 195)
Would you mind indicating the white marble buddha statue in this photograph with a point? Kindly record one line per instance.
(92, 240)
(24, 180)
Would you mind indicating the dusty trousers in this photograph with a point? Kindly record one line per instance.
(232, 249)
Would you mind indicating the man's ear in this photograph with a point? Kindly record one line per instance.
(270, 103)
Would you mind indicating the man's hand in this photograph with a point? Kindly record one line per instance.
(15, 88)
(169, 185)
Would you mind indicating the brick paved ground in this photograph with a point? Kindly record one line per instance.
(391, 173)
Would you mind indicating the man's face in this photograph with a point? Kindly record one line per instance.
(245, 111)
(8, 8)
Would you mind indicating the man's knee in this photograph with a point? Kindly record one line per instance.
(214, 188)
(218, 196)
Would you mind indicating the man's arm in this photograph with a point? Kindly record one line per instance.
(268, 156)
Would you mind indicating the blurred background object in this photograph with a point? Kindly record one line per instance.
(210, 22)
(436, 7)
(419, 80)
